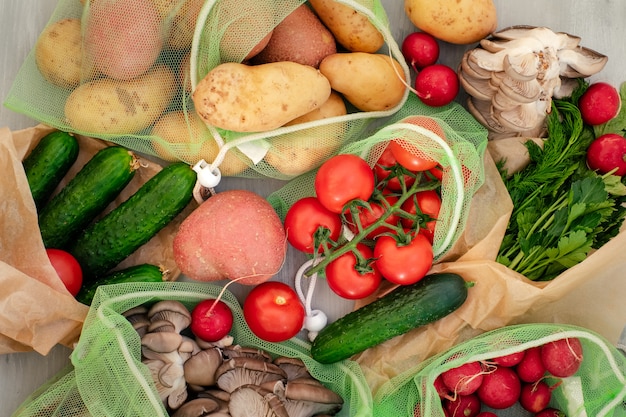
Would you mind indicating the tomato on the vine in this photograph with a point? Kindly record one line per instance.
(367, 216)
(403, 264)
(273, 311)
(351, 279)
(67, 268)
(341, 179)
(407, 153)
(309, 224)
(383, 168)
(429, 203)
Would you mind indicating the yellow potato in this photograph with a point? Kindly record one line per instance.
(332, 107)
(58, 53)
(188, 139)
(351, 29)
(460, 22)
(106, 106)
(371, 82)
(259, 98)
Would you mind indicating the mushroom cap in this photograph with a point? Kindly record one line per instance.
(293, 367)
(200, 368)
(240, 371)
(161, 342)
(308, 397)
(235, 351)
(252, 400)
(173, 311)
(198, 407)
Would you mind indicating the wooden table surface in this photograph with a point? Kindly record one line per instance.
(600, 24)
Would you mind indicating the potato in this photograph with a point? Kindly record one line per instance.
(456, 21)
(371, 82)
(301, 151)
(244, 98)
(353, 30)
(122, 39)
(248, 27)
(192, 138)
(58, 53)
(236, 235)
(181, 18)
(107, 106)
(300, 37)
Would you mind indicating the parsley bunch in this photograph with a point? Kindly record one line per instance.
(562, 209)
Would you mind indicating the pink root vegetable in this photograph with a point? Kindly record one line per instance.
(500, 388)
(464, 379)
(463, 406)
(510, 359)
(234, 235)
(531, 367)
(599, 104)
(562, 357)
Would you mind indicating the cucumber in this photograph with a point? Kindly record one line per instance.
(48, 162)
(137, 273)
(86, 195)
(111, 239)
(407, 307)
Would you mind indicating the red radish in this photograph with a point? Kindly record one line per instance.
(531, 368)
(535, 396)
(437, 85)
(211, 320)
(511, 359)
(420, 49)
(464, 379)
(486, 414)
(500, 388)
(463, 406)
(562, 357)
(550, 412)
(606, 153)
(599, 104)
(441, 388)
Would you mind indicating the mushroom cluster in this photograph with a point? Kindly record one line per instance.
(512, 77)
(195, 378)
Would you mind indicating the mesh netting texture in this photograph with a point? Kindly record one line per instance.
(448, 135)
(125, 71)
(109, 379)
(598, 388)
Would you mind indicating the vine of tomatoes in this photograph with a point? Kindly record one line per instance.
(366, 224)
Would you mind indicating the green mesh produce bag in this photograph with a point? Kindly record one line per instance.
(146, 56)
(597, 389)
(448, 135)
(108, 378)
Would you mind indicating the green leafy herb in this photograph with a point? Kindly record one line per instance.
(561, 209)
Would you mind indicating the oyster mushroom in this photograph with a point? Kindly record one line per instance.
(200, 368)
(169, 381)
(235, 351)
(304, 399)
(293, 367)
(198, 407)
(138, 318)
(172, 311)
(240, 371)
(512, 77)
(251, 400)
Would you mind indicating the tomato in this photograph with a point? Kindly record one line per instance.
(383, 169)
(350, 280)
(606, 153)
(407, 154)
(341, 179)
(211, 320)
(67, 268)
(273, 311)
(429, 203)
(369, 216)
(437, 172)
(309, 224)
(404, 264)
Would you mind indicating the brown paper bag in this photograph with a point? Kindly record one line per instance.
(586, 294)
(36, 311)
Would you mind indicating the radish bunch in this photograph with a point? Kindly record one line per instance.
(527, 378)
(435, 84)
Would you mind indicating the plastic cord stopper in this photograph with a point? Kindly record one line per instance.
(208, 176)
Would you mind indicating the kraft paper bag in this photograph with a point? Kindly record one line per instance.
(590, 294)
(36, 311)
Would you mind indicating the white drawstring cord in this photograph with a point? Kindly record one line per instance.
(314, 320)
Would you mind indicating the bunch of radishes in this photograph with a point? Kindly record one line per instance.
(435, 84)
(527, 377)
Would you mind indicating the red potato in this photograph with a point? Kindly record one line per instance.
(464, 379)
(599, 104)
(535, 397)
(531, 367)
(500, 388)
(562, 357)
(234, 235)
(122, 39)
(463, 406)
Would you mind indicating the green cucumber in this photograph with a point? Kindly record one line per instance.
(111, 239)
(137, 273)
(86, 195)
(48, 162)
(407, 307)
